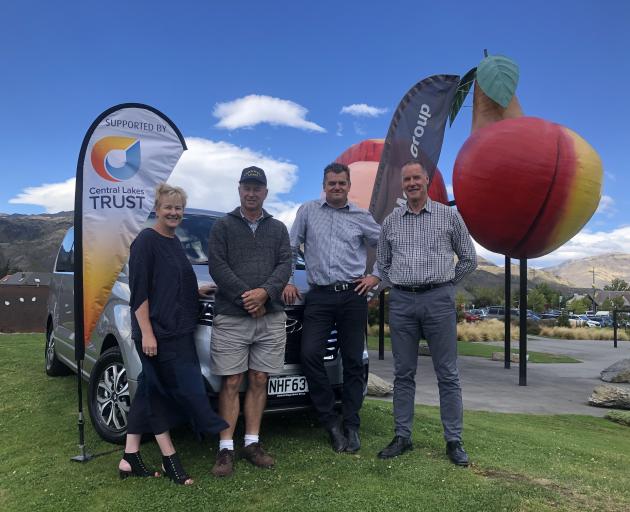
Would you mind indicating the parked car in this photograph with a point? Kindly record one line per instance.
(497, 312)
(111, 364)
(470, 316)
(582, 321)
(481, 313)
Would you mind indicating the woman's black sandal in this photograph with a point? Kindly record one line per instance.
(174, 470)
(137, 467)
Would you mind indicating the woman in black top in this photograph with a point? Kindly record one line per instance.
(164, 305)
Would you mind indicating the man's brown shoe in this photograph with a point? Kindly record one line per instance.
(255, 454)
(224, 466)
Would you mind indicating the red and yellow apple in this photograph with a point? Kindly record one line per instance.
(525, 186)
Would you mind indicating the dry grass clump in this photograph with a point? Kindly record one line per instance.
(583, 333)
(487, 330)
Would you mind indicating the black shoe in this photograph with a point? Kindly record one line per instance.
(354, 442)
(173, 469)
(456, 453)
(137, 467)
(398, 446)
(337, 439)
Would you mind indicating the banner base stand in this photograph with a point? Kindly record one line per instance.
(87, 457)
(84, 456)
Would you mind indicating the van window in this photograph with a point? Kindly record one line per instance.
(65, 257)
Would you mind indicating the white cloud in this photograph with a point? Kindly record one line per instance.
(255, 109)
(607, 206)
(582, 245)
(363, 110)
(53, 197)
(449, 190)
(209, 172)
(339, 132)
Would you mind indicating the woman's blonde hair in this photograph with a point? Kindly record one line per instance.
(167, 190)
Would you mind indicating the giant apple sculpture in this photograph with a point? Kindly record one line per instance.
(523, 185)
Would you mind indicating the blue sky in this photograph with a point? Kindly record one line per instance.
(213, 67)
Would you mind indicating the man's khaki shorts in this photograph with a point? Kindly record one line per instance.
(240, 343)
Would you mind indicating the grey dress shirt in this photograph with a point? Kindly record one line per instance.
(418, 248)
(335, 241)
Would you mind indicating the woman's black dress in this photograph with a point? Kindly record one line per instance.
(170, 388)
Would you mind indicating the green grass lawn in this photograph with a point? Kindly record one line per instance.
(483, 349)
(521, 462)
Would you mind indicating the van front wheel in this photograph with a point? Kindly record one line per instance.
(108, 397)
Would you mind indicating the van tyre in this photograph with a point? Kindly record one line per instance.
(108, 397)
(53, 367)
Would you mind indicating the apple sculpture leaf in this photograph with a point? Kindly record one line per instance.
(498, 77)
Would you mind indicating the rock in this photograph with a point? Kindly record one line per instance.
(618, 372)
(378, 387)
(610, 396)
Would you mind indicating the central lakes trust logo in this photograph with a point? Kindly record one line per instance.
(116, 158)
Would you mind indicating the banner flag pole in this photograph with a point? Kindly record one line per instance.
(126, 152)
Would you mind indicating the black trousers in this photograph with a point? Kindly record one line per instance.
(347, 311)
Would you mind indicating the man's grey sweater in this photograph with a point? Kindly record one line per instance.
(241, 260)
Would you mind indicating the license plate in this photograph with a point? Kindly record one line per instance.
(290, 385)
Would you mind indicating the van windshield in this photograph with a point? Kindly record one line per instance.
(193, 233)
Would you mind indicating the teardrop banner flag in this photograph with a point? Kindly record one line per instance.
(416, 132)
(127, 151)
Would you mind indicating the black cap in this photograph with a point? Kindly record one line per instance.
(254, 173)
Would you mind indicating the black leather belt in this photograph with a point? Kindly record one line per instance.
(420, 288)
(337, 287)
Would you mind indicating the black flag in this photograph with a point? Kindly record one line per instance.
(416, 132)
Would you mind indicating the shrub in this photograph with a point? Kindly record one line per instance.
(582, 333)
(563, 320)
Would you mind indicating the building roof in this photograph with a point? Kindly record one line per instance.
(26, 279)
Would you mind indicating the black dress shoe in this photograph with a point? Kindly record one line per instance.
(456, 453)
(398, 446)
(354, 442)
(337, 439)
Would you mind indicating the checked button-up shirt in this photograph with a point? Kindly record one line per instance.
(418, 249)
(335, 241)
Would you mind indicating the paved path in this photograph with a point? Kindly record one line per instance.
(560, 388)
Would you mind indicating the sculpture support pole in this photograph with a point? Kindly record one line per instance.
(522, 346)
(508, 314)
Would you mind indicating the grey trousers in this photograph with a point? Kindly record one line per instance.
(430, 315)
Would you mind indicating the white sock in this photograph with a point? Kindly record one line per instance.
(250, 439)
(227, 443)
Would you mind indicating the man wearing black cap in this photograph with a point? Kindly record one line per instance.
(249, 258)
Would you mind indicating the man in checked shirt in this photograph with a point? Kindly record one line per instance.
(335, 234)
(416, 254)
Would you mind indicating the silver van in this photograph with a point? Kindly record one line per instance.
(112, 365)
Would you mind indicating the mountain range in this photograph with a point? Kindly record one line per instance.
(30, 243)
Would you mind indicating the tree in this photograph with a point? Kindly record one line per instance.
(483, 296)
(612, 303)
(536, 300)
(551, 295)
(618, 285)
(580, 306)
